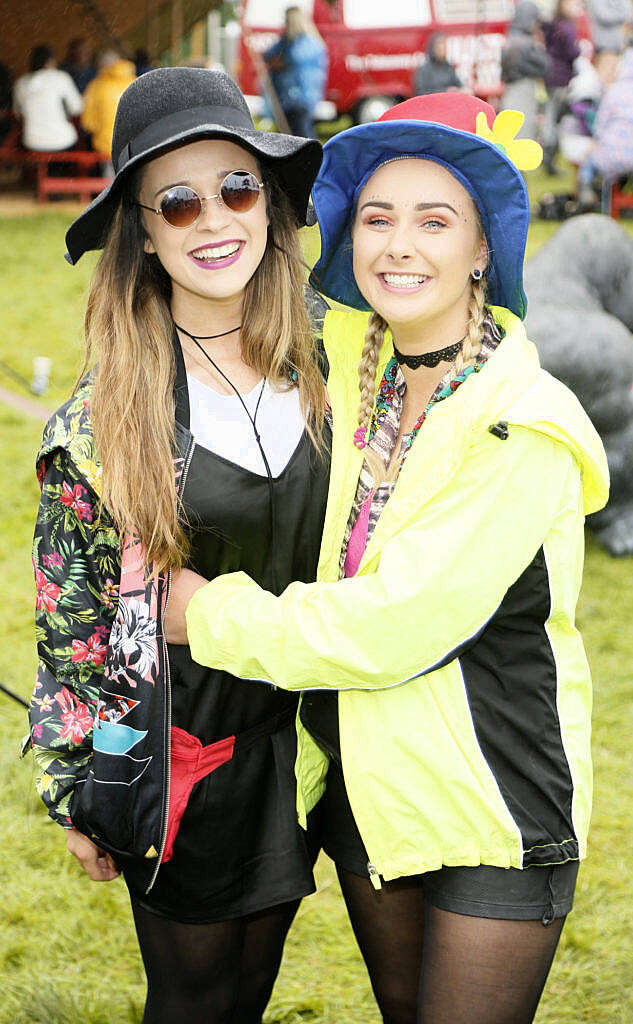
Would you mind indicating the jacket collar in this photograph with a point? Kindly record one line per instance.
(453, 426)
(70, 426)
(511, 386)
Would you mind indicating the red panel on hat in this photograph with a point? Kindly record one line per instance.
(453, 109)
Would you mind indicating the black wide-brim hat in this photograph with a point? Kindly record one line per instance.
(172, 106)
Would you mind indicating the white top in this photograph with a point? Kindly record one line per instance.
(45, 100)
(219, 423)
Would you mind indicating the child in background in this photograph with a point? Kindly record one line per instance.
(561, 41)
(611, 155)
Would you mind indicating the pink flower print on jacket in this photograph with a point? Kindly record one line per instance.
(54, 561)
(93, 649)
(47, 593)
(132, 647)
(75, 715)
(71, 498)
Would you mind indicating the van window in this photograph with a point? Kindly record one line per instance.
(270, 13)
(452, 11)
(378, 14)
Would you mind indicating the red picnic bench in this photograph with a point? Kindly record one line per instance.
(617, 195)
(78, 182)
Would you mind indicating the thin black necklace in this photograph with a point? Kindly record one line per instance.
(441, 355)
(208, 337)
(253, 419)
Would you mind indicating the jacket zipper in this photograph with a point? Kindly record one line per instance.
(165, 808)
(374, 875)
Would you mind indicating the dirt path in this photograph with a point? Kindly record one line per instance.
(24, 404)
(21, 202)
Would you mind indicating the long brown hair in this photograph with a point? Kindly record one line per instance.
(128, 326)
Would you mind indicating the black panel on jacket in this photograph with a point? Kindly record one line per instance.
(510, 677)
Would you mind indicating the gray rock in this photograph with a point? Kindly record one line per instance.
(579, 287)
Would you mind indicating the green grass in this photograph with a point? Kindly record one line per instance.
(43, 299)
(67, 947)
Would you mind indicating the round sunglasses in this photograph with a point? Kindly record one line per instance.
(181, 206)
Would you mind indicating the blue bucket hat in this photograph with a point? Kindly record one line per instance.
(461, 133)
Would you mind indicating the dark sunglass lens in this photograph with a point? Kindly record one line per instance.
(239, 191)
(180, 207)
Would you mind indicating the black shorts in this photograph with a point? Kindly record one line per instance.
(537, 893)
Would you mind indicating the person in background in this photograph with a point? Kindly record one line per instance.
(607, 64)
(524, 61)
(436, 74)
(298, 64)
(611, 156)
(611, 22)
(79, 63)
(46, 99)
(561, 41)
(102, 96)
(586, 89)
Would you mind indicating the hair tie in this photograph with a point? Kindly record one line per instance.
(359, 438)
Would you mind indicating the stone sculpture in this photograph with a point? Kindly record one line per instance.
(579, 287)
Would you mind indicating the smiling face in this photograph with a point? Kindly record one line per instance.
(211, 260)
(417, 239)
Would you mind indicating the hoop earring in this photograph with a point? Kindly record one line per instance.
(477, 274)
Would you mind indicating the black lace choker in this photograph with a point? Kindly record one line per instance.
(441, 355)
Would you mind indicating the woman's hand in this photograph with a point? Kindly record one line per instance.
(181, 589)
(97, 864)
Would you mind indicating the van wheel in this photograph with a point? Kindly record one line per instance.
(372, 107)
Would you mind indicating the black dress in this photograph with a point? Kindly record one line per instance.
(239, 847)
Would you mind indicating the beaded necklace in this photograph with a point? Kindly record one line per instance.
(387, 393)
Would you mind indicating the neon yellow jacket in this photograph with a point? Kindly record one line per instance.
(465, 697)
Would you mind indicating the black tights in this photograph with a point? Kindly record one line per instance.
(429, 966)
(221, 973)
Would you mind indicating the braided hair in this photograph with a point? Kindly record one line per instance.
(374, 337)
(471, 346)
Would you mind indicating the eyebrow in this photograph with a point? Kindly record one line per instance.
(417, 207)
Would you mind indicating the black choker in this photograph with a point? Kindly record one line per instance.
(441, 355)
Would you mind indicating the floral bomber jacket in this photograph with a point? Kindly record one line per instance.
(99, 713)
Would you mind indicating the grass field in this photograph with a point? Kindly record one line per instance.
(67, 949)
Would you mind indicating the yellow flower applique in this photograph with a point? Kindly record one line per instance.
(524, 153)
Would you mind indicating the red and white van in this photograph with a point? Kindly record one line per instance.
(376, 45)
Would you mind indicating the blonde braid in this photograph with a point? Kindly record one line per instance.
(374, 337)
(472, 343)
